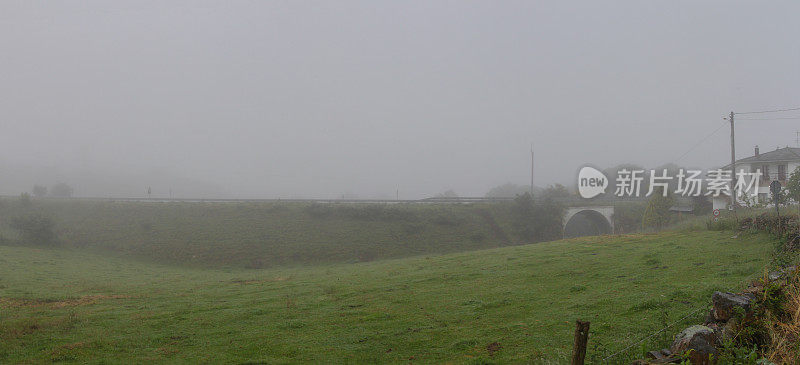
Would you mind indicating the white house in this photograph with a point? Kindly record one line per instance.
(773, 165)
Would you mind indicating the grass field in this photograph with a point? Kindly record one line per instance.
(261, 235)
(507, 305)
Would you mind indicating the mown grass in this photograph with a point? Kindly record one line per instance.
(507, 305)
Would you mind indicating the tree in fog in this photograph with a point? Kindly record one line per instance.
(524, 217)
(34, 229)
(537, 220)
(556, 191)
(447, 194)
(508, 190)
(792, 190)
(61, 190)
(701, 205)
(39, 191)
(657, 214)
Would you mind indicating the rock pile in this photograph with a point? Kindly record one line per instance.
(700, 343)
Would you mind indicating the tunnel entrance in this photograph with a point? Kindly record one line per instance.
(587, 223)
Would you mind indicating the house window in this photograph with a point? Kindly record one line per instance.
(782, 172)
(765, 173)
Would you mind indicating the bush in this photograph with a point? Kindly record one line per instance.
(702, 205)
(61, 190)
(536, 221)
(628, 217)
(786, 226)
(39, 191)
(723, 224)
(657, 214)
(35, 229)
(25, 200)
(358, 212)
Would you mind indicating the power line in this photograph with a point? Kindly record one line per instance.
(700, 142)
(770, 111)
(779, 118)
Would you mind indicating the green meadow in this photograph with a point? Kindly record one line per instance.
(513, 304)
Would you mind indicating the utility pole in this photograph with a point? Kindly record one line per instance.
(733, 166)
(531, 169)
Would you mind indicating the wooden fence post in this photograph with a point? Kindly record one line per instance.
(581, 338)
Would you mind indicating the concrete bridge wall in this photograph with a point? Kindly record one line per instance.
(602, 216)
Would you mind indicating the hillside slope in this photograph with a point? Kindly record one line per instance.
(260, 235)
(511, 304)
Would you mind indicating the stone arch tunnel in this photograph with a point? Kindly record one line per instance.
(588, 221)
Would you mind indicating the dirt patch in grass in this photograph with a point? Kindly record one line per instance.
(493, 347)
(56, 303)
(167, 351)
(17, 329)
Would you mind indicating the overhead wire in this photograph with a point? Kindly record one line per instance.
(778, 118)
(769, 111)
(700, 142)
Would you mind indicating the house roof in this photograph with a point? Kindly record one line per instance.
(779, 155)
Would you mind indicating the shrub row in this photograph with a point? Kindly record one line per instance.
(366, 212)
(786, 226)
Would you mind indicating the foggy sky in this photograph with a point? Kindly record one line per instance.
(318, 99)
